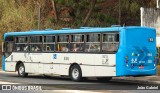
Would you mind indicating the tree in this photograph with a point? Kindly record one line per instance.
(54, 10)
(93, 2)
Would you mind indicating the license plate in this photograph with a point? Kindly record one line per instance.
(141, 67)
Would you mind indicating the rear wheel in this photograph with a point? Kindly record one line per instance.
(76, 73)
(104, 79)
(21, 71)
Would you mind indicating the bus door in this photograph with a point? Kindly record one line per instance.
(7, 49)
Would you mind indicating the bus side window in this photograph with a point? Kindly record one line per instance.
(110, 42)
(63, 43)
(77, 43)
(21, 43)
(92, 42)
(35, 43)
(49, 43)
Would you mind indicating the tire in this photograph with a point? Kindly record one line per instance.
(76, 73)
(46, 76)
(104, 79)
(21, 71)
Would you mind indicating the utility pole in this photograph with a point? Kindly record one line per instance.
(39, 15)
(119, 12)
(157, 3)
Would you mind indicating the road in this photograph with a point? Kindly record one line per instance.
(62, 85)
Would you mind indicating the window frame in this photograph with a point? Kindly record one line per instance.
(45, 43)
(31, 43)
(93, 42)
(83, 34)
(115, 42)
(20, 43)
(57, 42)
(20, 36)
(6, 53)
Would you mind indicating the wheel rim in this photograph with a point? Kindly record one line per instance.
(21, 70)
(75, 73)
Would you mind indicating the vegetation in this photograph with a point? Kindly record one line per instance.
(22, 15)
(158, 70)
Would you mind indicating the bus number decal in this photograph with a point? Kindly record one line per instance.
(134, 60)
(105, 59)
(54, 56)
(66, 58)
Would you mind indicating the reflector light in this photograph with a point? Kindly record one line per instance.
(127, 65)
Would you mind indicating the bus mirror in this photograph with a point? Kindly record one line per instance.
(2, 47)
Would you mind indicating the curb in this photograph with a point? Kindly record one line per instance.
(140, 81)
(156, 82)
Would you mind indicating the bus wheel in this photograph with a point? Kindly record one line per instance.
(21, 71)
(104, 79)
(76, 73)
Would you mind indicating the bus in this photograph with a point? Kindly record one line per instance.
(99, 52)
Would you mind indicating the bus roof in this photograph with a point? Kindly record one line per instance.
(68, 31)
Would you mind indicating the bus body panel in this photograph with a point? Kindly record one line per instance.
(92, 65)
(136, 54)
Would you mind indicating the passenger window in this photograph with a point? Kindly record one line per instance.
(63, 43)
(49, 39)
(92, 42)
(21, 39)
(21, 43)
(49, 43)
(36, 39)
(112, 37)
(77, 43)
(110, 42)
(35, 43)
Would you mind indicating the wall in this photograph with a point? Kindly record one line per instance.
(151, 17)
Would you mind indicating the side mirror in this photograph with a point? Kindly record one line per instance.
(2, 47)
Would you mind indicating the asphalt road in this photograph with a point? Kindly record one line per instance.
(61, 84)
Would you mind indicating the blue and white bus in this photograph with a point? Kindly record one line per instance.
(79, 53)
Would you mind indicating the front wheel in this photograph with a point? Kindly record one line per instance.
(21, 71)
(76, 73)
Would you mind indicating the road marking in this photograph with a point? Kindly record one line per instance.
(76, 91)
(3, 82)
(1, 71)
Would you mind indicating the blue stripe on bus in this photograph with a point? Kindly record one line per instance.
(3, 62)
(38, 32)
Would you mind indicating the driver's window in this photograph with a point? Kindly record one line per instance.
(8, 45)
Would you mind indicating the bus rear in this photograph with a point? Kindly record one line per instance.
(137, 53)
